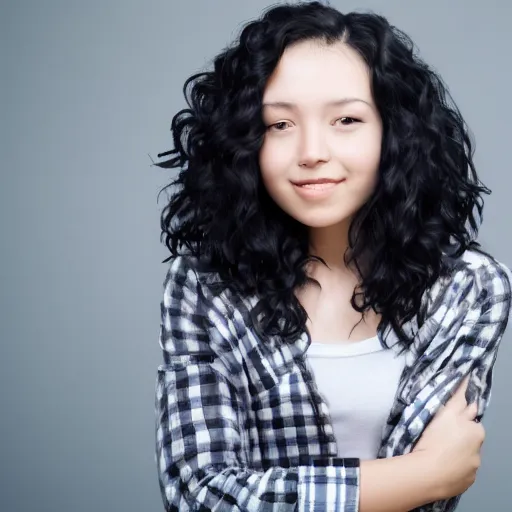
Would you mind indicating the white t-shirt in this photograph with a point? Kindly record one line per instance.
(358, 381)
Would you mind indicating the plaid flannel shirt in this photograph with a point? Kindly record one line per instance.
(241, 425)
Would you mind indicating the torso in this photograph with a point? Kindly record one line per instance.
(358, 382)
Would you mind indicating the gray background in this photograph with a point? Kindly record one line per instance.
(88, 90)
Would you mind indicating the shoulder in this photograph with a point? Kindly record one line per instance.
(470, 303)
(479, 277)
(180, 291)
(188, 309)
(186, 275)
(476, 289)
(191, 287)
(189, 276)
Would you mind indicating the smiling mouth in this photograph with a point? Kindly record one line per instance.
(321, 184)
(318, 186)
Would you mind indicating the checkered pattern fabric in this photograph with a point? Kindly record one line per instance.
(241, 425)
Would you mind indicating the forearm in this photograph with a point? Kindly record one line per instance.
(397, 484)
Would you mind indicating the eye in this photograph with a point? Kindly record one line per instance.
(347, 121)
(279, 127)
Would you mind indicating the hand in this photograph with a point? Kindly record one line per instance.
(453, 441)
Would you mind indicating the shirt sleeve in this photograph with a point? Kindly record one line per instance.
(467, 343)
(201, 445)
(468, 329)
(487, 333)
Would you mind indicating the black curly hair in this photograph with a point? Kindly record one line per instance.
(424, 213)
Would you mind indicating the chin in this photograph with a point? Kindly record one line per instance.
(321, 221)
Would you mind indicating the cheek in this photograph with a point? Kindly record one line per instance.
(362, 158)
(274, 163)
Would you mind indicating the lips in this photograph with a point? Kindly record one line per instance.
(316, 182)
(316, 189)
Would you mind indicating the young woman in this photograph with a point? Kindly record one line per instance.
(329, 323)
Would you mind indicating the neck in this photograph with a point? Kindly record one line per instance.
(330, 243)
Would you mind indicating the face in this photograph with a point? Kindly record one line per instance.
(321, 151)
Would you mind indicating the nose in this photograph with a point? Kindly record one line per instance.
(314, 148)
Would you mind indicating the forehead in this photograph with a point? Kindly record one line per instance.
(310, 71)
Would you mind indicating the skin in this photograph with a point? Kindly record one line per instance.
(316, 138)
(331, 128)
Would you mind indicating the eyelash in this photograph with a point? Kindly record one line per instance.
(353, 119)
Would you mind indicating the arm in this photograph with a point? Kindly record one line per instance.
(398, 484)
(486, 334)
(201, 459)
(200, 437)
(476, 331)
(201, 463)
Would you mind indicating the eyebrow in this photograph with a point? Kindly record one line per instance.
(336, 103)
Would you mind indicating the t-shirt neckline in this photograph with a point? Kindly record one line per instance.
(345, 349)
